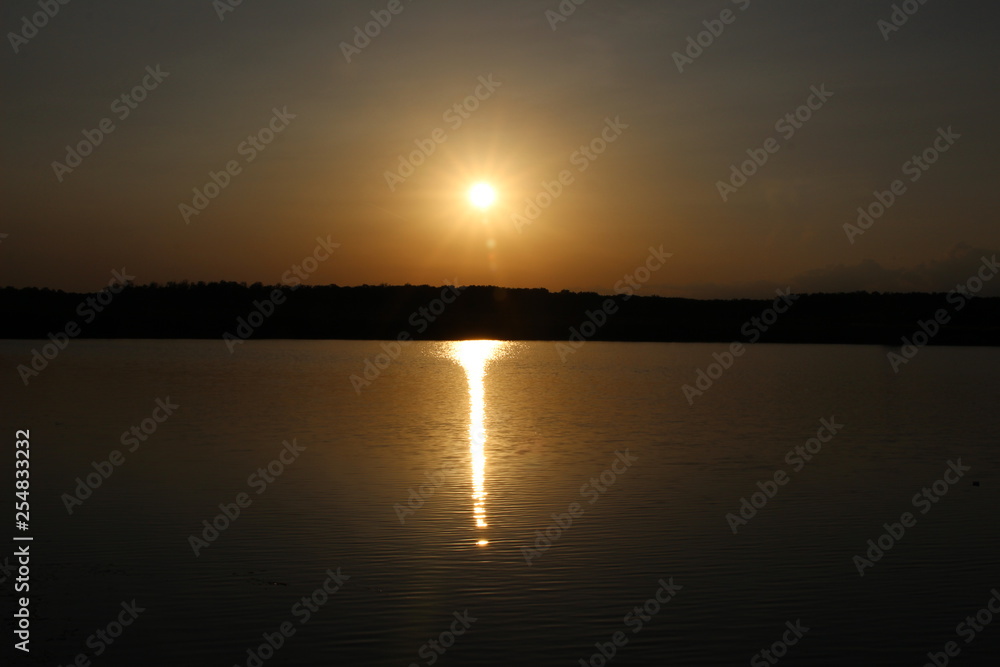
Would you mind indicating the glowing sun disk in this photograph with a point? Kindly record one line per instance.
(482, 195)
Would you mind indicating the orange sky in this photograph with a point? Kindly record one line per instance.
(529, 97)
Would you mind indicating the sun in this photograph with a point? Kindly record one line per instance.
(482, 195)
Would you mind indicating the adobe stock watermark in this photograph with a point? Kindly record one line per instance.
(104, 637)
(258, 480)
(562, 12)
(292, 279)
(926, 331)
(628, 286)
(635, 620)
(584, 156)
(923, 500)
(87, 310)
(455, 116)
(756, 327)
(248, 149)
(968, 629)
(915, 168)
(363, 35)
(132, 438)
(592, 490)
(797, 458)
(779, 649)
(420, 320)
(302, 610)
(22, 617)
(223, 7)
(122, 107)
(30, 25)
(714, 28)
(899, 17)
(786, 126)
(432, 650)
(423, 493)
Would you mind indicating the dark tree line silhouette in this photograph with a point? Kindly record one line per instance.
(210, 310)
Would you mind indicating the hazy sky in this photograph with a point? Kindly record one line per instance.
(609, 64)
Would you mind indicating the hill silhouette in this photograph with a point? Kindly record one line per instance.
(214, 310)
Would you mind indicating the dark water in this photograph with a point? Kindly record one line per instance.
(340, 505)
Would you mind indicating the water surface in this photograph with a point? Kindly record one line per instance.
(427, 487)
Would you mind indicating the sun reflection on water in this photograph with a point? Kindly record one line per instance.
(473, 356)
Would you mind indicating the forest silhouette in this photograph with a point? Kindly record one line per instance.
(384, 312)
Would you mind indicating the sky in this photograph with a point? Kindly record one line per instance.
(622, 132)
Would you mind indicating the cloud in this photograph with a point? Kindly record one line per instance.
(938, 275)
(961, 263)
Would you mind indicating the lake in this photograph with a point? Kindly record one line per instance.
(487, 503)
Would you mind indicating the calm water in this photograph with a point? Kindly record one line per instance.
(496, 454)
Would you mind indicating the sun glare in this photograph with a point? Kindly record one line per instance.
(482, 195)
(474, 356)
